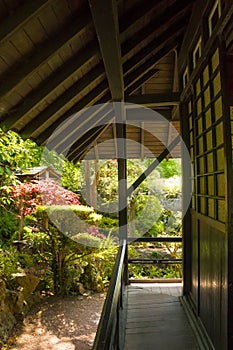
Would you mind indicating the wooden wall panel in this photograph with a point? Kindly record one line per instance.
(195, 263)
(209, 239)
(212, 298)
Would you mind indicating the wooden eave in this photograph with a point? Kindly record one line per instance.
(58, 58)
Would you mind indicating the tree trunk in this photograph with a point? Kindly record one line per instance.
(88, 182)
(20, 227)
(94, 185)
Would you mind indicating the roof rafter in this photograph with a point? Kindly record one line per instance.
(138, 77)
(69, 69)
(35, 97)
(86, 81)
(91, 141)
(139, 10)
(15, 76)
(88, 119)
(106, 23)
(78, 142)
(168, 15)
(169, 38)
(153, 100)
(99, 93)
(17, 20)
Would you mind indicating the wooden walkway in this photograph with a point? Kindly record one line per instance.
(156, 319)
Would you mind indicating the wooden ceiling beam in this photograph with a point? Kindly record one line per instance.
(169, 38)
(136, 113)
(105, 18)
(55, 80)
(78, 142)
(86, 81)
(140, 75)
(140, 72)
(99, 92)
(140, 81)
(24, 12)
(155, 100)
(90, 141)
(170, 14)
(135, 14)
(90, 118)
(46, 50)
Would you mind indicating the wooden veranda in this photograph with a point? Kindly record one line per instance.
(91, 79)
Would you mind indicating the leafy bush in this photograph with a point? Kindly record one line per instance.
(98, 268)
(81, 258)
(8, 227)
(8, 264)
(148, 211)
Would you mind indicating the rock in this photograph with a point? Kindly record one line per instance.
(81, 288)
(16, 301)
(7, 319)
(28, 283)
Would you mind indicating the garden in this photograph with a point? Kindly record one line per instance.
(59, 237)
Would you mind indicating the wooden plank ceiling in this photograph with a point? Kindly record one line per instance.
(61, 57)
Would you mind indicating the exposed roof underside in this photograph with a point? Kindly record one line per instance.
(60, 57)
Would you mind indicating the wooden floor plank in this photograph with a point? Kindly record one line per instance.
(156, 320)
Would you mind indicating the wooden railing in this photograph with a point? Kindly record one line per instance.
(167, 261)
(110, 333)
(111, 329)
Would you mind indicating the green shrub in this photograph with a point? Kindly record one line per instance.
(84, 258)
(98, 268)
(8, 227)
(148, 212)
(8, 264)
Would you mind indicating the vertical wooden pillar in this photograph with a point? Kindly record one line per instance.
(122, 177)
(186, 191)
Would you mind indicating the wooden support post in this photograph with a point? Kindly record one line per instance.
(122, 177)
(186, 223)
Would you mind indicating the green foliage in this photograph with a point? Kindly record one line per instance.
(109, 225)
(12, 261)
(71, 220)
(9, 264)
(70, 260)
(88, 257)
(148, 211)
(98, 268)
(16, 153)
(169, 168)
(8, 226)
(71, 176)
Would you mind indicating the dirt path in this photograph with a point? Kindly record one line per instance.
(59, 324)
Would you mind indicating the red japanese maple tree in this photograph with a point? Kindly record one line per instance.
(28, 195)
